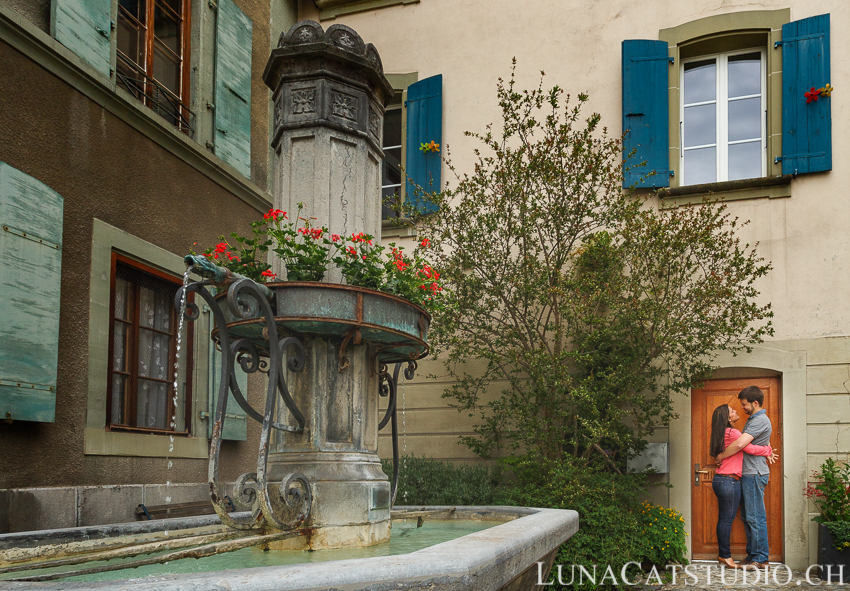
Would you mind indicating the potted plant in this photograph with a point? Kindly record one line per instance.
(829, 491)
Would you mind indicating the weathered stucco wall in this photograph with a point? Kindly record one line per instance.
(106, 169)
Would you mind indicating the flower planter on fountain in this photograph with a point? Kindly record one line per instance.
(396, 328)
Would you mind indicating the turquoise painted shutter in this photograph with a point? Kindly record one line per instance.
(806, 127)
(424, 125)
(233, 87)
(236, 420)
(84, 27)
(31, 251)
(646, 113)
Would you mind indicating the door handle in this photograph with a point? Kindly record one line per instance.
(697, 472)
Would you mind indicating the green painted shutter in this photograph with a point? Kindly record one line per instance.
(646, 113)
(424, 125)
(31, 251)
(236, 420)
(806, 127)
(233, 87)
(84, 26)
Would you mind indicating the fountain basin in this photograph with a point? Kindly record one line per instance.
(505, 556)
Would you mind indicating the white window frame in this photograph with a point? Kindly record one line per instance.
(722, 112)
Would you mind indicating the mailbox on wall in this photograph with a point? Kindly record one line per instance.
(655, 456)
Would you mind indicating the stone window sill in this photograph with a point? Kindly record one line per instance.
(773, 187)
(330, 9)
(390, 230)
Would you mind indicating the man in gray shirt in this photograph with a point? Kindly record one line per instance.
(754, 476)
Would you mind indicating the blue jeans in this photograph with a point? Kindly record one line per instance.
(754, 516)
(728, 492)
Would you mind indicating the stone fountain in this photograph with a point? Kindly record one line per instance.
(330, 351)
(327, 346)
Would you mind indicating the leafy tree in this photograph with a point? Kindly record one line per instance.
(589, 305)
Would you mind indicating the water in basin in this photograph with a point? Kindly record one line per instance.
(406, 537)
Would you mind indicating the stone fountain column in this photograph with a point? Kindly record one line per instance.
(329, 96)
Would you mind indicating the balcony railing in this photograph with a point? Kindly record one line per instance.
(154, 94)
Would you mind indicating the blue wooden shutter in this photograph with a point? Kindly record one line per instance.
(31, 251)
(424, 125)
(646, 113)
(232, 135)
(236, 420)
(806, 127)
(84, 27)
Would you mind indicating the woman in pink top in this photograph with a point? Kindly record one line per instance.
(726, 482)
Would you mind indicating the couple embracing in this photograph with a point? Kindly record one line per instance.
(742, 475)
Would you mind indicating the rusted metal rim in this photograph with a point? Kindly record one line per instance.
(409, 341)
(354, 288)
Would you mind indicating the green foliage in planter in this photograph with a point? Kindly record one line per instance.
(425, 481)
(829, 491)
(840, 532)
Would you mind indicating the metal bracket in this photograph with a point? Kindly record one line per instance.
(353, 334)
(23, 234)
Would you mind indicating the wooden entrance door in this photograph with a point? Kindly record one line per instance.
(704, 503)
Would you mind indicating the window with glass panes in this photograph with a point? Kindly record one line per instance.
(391, 174)
(722, 122)
(143, 352)
(153, 51)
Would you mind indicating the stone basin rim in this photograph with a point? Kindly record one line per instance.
(474, 561)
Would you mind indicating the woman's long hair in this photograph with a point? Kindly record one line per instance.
(719, 424)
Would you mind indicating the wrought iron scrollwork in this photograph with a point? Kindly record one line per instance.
(286, 505)
(388, 386)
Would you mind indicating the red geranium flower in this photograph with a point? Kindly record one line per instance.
(812, 95)
(275, 214)
(268, 273)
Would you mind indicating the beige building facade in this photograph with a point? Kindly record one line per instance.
(799, 220)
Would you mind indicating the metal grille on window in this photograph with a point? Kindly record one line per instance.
(152, 56)
(143, 352)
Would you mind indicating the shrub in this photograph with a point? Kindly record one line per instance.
(425, 481)
(662, 535)
(608, 505)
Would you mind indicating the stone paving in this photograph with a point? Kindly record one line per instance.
(710, 577)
